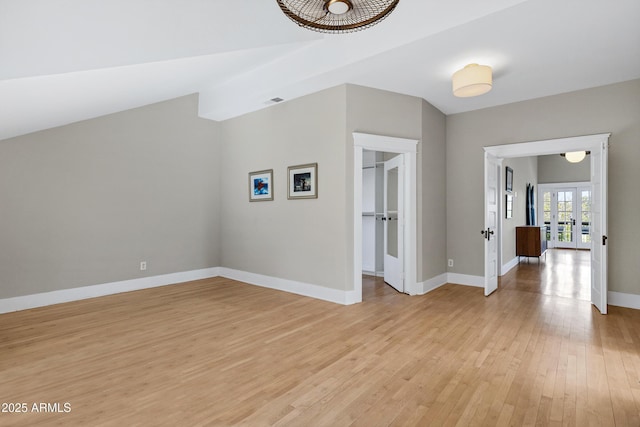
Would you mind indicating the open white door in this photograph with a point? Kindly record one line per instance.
(599, 228)
(394, 223)
(491, 172)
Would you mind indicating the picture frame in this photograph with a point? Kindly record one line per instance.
(509, 179)
(508, 211)
(261, 186)
(302, 181)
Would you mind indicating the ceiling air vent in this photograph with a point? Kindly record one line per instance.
(274, 100)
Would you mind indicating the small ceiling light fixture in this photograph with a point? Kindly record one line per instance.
(338, 7)
(575, 156)
(337, 16)
(472, 80)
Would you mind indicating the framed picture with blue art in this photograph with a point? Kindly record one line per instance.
(303, 181)
(261, 186)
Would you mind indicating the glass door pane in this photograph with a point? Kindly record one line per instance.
(584, 241)
(565, 209)
(546, 213)
(392, 212)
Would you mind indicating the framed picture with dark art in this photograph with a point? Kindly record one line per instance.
(261, 185)
(509, 179)
(303, 181)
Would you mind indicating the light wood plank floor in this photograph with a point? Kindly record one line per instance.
(219, 352)
(562, 272)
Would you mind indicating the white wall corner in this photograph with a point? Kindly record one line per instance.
(431, 284)
(508, 266)
(465, 279)
(300, 288)
(620, 299)
(26, 302)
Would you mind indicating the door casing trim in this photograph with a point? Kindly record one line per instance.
(408, 149)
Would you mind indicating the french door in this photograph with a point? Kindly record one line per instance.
(566, 214)
(565, 204)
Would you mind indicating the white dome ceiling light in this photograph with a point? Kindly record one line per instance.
(575, 156)
(472, 80)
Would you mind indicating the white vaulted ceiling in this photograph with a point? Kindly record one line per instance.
(69, 60)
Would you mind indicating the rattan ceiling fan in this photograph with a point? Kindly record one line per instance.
(337, 16)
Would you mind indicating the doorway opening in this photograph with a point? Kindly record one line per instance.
(565, 212)
(382, 218)
(598, 146)
(400, 217)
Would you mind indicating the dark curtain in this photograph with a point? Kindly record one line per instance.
(528, 206)
(531, 205)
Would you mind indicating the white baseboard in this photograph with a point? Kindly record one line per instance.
(508, 266)
(314, 291)
(465, 279)
(373, 273)
(300, 288)
(620, 299)
(431, 284)
(350, 297)
(74, 294)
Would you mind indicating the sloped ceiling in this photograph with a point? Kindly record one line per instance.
(69, 60)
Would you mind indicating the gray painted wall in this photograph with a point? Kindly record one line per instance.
(386, 113)
(310, 241)
(525, 171)
(299, 240)
(555, 168)
(157, 184)
(432, 194)
(613, 108)
(83, 204)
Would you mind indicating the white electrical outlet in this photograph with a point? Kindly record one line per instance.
(450, 263)
(143, 265)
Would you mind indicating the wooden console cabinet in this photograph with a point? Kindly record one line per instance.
(530, 241)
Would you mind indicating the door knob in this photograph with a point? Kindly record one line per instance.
(487, 233)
